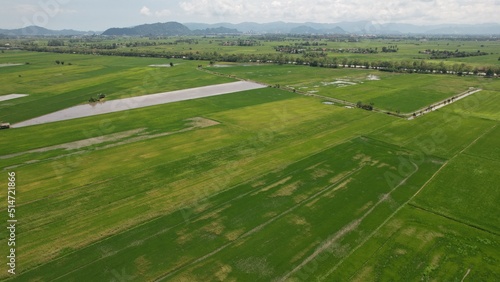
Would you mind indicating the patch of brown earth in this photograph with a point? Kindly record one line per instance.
(298, 220)
(216, 227)
(199, 122)
(318, 173)
(255, 265)
(142, 264)
(338, 177)
(270, 214)
(183, 236)
(382, 165)
(315, 166)
(364, 208)
(287, 190)
(400, 252)
(312, 203)
(365, 275)
(342, 185)
(223, 272)
(281, 182)
(300, 198)
(258, 184)
(81, 143)
(235, 234)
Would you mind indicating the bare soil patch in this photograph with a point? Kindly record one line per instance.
(282, 181)
(81, 143)
(115, 139)
(287, 190)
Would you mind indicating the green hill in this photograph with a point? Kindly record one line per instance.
(168, 28)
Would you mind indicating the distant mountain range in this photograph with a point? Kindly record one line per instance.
(167, 29)
(359, 27)
(40, 31)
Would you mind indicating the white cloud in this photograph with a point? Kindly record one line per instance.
(219, 8)
(416, 11)
(276, 4)
(145, 11)
(91, 14)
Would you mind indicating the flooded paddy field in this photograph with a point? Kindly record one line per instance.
(11, 96)
(140, 102)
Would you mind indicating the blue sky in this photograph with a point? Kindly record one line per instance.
(100, 15)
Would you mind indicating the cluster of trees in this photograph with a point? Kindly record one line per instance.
(241, 42)
(314, 43)
(301, 49)
(368, 107)
(97, 99)
(357, 50)
(444, 54)
(390, 49)
(140, 44)
(311, 56)
(102, 46)
(58, 62)
(290, 49)
(404, 66)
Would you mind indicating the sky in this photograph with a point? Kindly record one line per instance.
(99, 15)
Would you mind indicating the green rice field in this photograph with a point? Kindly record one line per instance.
(268, 184)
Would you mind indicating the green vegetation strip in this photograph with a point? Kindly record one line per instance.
(296, 196)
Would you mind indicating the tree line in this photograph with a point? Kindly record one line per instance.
(404, 66)
(304, 49)
(445, 54)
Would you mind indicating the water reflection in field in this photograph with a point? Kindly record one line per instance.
(140, 102)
